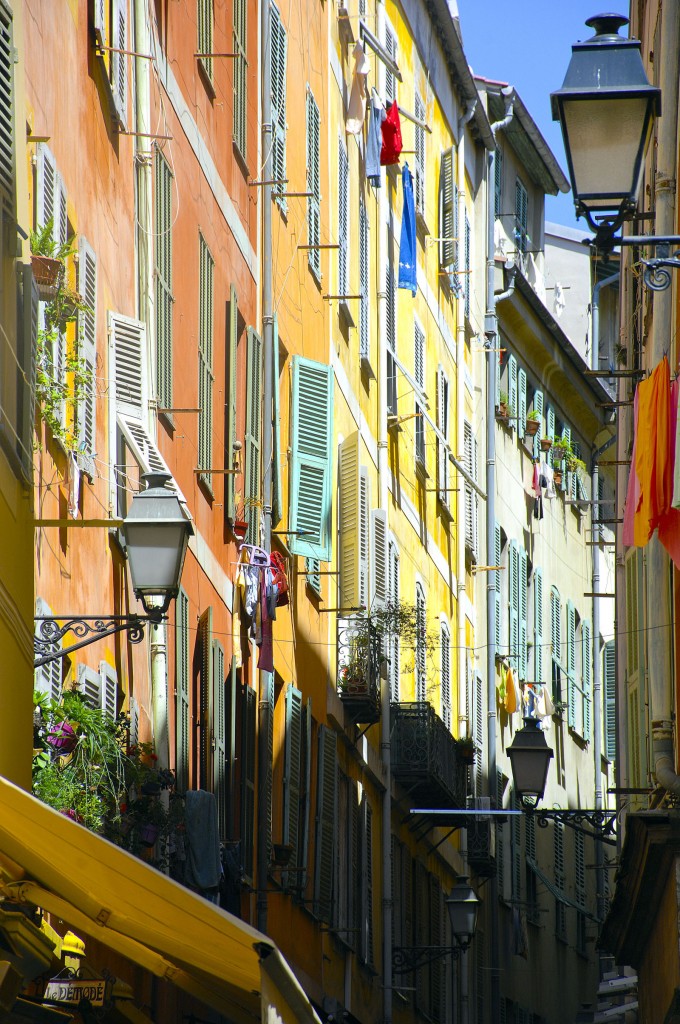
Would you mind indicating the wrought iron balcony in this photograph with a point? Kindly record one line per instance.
(424, 757)
(481, 846)
(359, 656)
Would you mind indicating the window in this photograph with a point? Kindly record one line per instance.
(538, 406)
(580, 891)
(99, 689)
(556, 644)
(278, 80)
(205, 693)
(240, 67)
(163, 275)
(448, 218)
(51, 208)
(390, 81)
(326, 819)
(445, 670)
(393, 598)
(610, 700)
(313, 184)
(87, 350)
(205, 360)
(511, 377)
(378, 554)
(292, 774)
(110, 29)
(251, 475)
(538, 625)
(182, 692)
(218, 737)
(421, 637)
(443, 475)
(419, 173)
(520, 216)
(343, 219)
(498, 573)
(560, 907)
(391, 335)
(248, 763)
(310, 475)
(467, 291)
(205, 18)
(470, 459)
(353, 518)
(7, 188)
(419, 367)
(233, 326)
(364, 284)
(366, 904)
(498, 182)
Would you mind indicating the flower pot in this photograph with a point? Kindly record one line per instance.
(239, 528)
(148, 834)
(62, 738)
(546, 444)
(531, 427)
(502, 411)
(47, 274)
(557, 477)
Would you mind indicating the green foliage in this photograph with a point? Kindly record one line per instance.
(42, 243)
(533, 414)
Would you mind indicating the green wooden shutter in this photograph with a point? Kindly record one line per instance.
(538, 406)
(498, 182)
(277, 487)
(310, 477)
(521, 206)
(240, 67)
(447, 243)
(248, 758)
(467, 241)
(219, 738)
(163, 274)
(27, 338)
(571, 663)
(182, 692)
(305, 797)
(87, 339)
(498, 554)
(550, 432)
(232, 347)
(7, 133)
(556, 643)
(513, 594)
(313, 574)
(512, 391)
(326, 821)
(587, 670)
(521, 400)
(538, 626)
(279, 44)
(610, 700)
(292, 767)
(522, 611)
(119, 60)
(343, 218)
(251, 476)
(313, 183)
(205, 361)
(205, 697)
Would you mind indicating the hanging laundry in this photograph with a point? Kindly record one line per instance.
(548, 479)
(652, 454)
(633, 490)
(236, 625)
(536, 480)
(376, 116)
(391, 137)
(73, 484)
(513, 698)
(502, 686)
(407, 241)
(356, 109)
(280, 579)
(669, 525)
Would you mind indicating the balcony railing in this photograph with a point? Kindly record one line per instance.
(424, 757)
(359, 656)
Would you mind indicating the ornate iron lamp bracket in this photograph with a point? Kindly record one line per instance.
(89, 628)
(656, 275)
(602, 822)
(411, 958)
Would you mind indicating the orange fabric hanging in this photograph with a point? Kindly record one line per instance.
(653, 462)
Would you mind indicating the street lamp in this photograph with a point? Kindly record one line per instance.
(156, 533)
(462, 904)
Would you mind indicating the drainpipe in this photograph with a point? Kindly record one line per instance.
(658, 576)
(265, 709)
(595, 312)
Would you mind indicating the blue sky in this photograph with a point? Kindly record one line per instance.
(528, 43)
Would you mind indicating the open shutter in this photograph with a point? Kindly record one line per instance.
(538, 406)
(538, 626)
(232, 345)
(343, 218)
(292, 768)
(182, 692)
(87, 324)
(251, 483)
(219, 737)
(364, 528)
(279, 44)
(379, 569)
(163, 186)
(393, 597)
(119, 60)
(313, 183)
(205, 697)
(443, 424)
(364, 284)
(571, 663)
(205, 360)
(447, 239)
(277, 487)
(419, 164)
(587, 670)
(550, 431)
(367, 881)
(513, 588)
(467, 251)
(348, 514)
(326, 820)
(26, 370)
(522, 609)
(248, 760)
(99, 21)
(610, 700)
(497, 591)
(556, 643)
(240, 76)
(391, 340)
(445, 667)
(108, 688)
(498, 182)
(311, 428)
(421, 632)
(512, 391)
(48, 678)
(89, 683)
(521, 400)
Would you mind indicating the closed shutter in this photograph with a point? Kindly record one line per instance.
(348, 514)
(572, 695)
(292, 779)
(538, 626)
(119, 59)
(419, 374)
(219, 739)
(248, 758)
(251, 478)
(512, 391)
(556, 643)
(498, 182)
(48, 678)
(610, 700)
(447, 239)
(205, 636)
(522, 609)
(521, 400)
(182, 692)
(538, 406)
(232, 348)
(419, 171)
(326, 820)
(550, 432)
(108, 688)
(364, 284)
(443, 424)
(205, 360)
(7, 133)
(205, 35)
(378, 550)
(240, 67)
(300, 880)
(343, 218)
(313, 183)
(587, 675)
(445, 669)
(421, 933)
(391, 339)
(471, 505)
(421, 631)
(87, 332)
(277, 485)
(279, 44)
(367, 951)
(312, 416)
(498, 554)
(393, 598)
(500, 839)
(364, 527)
(163, 274)
(513, 594)
(521, 204)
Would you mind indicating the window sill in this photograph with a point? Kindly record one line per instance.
(344, 313)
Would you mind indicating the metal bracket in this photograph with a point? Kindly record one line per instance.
(411, 958)
(90, 627)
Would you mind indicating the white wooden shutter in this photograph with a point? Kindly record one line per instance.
(443, 424)
(393, 596)
(99, 21)
(279, 45)
(445, 668)
(364, 279)
(364, 527)
(108, 687)
(90, 685)
(87, 324)
(119, 61)
(348, 516)
(379, 568)
(48, 677)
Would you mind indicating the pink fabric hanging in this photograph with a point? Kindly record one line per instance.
(669, 526)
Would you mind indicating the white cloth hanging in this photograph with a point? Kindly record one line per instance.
(356, 109)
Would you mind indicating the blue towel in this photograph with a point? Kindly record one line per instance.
(376, 115)
(407, 242)
(204, 864)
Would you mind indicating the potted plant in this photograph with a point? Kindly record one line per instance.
(465, 748)
(562, 450)
(533, 422)
(546, 444)
(48, 260)
(502, 409)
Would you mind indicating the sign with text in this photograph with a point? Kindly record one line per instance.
(71, 990)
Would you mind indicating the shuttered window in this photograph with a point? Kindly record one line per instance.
(522, 602)
(108, 683)
(292, 778)
(343, 218)
(391, 338)
(206, 19)
(556, 644)
(251, 475)
(248, 762)
(559, 875)
(219, 739)
(349, 516)
(447, 212)
(326, 819)
(538, 625)
(310, 476)
(521, 401)
(48, 678)
(87, 345)
(586, 675)
(277, 485)
(163, 182)
(279, 45)
(498, 554)
(364, 284)
(467, 242)
(313, 183)
(313, 574)
(513, 595)
(421, 631)
(498, 182)
(366, 923)
(205, 697)
(378, 557)
(574, 715)
(205, 360)
(538, 406)
(521, 203)
(550, 432)
(419, 171)
(445, 669)
(240, 67)
(610, 700)
(182, 692)
(232, 353)
(471, 501)
(443, 476)
(51, 208)
(7, 181)
(419, 367)
(390, 81)
(393, 598)
(512, 391)
(515, 850)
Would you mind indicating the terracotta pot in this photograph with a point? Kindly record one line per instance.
(557, 476)
(239, 528)
(47, 274)
(531, 427)
(546, 444)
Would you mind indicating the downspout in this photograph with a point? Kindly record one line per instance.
(595, 313)
(463, 724)
(158, 641)
(659, 634)
(265, 709)
(492, 343)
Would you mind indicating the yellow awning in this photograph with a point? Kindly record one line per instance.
(141, 913)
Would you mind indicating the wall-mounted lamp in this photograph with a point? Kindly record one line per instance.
(462, 905)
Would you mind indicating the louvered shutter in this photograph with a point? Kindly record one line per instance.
(521, 400)
(367, 881)
(538, 406)
(343, 218)
(48, 678)
(326, 820)
(364, 284)
(516, 850)
(610, 700)
(89, 683)
(445, 669)
(378, 550)
(550, 432)
(478, 733)
(391, 51)
(475, 500)
(571, 663)
(391, 339)
(205, 360)
(313, 574)
(522, 609)
(251, 479)
(348, 515)
(498, 182)
(163, 275)
(498, 554)
(393, 597)
(566, 435)
(521, 203)
(313, 183)
(87, 325)
(277, 486)
(556, 643)
(205, 35)
(419, 169)
(182, 692)
(205, 636)
(513, 588)
(28, 337)
(312, 417)
(7, 134)
(219, 738)
(51, 205)
(119, 60)
(99, 21)
(133, 731)
(232, 344)
(538, 626)
(469, 452)
(500, 838)
(364, 528)
(443, 424)
(279, 44)
(447, 243)
(587, 670)
(419, 374)
(108, 689)
(292, 768)
(437, 938)
(421, 932)
(421, 629)
(240, 66)
(248, 750)
(467, 240)
(512, 391)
